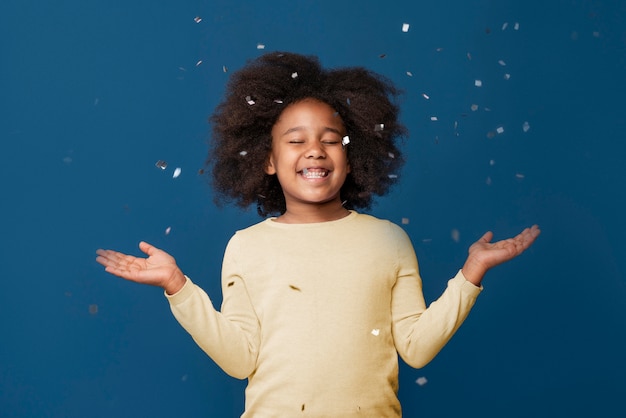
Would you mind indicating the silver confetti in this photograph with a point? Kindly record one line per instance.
(177, 172)
(405, 27)
(294, 75)
(379, 127)
(161, 164)
(345, 140)
(260, 46)
(525, 126)
(478, 83)
(421, 381)
(197, 19)
(375, 332)
(249, 100)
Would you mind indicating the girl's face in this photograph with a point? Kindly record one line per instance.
(308, 156)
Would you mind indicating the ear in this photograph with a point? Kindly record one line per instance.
(269, 166)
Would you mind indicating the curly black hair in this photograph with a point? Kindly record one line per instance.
(255, 97)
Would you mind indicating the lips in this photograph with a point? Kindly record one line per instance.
(314, 173)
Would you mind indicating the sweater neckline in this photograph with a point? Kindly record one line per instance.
(272, 222)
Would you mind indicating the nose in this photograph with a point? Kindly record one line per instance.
(315, 150)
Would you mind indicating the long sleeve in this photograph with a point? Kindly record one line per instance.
(420, 332)
(230, 337)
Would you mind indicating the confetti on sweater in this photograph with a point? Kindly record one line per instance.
(161, 164)
(177, 172)
(405, 27)
(421, 381)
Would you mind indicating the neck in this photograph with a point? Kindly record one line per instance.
(296, 214)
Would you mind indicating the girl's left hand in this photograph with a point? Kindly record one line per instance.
(483, 254)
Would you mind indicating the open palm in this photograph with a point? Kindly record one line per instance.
(158, 269)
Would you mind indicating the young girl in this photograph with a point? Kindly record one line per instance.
(318, 300)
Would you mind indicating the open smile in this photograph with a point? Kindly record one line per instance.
(314, 173)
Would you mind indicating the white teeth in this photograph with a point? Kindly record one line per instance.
(314, 173)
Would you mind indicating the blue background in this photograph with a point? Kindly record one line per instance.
(94, 92)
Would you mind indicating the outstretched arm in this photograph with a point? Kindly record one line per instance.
(484, 255)
(158, 269)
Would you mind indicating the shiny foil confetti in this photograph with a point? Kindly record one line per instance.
(405, 27)
(177, 172)
(161, 164)
(421, 381)
(375, 332)
(345, 140)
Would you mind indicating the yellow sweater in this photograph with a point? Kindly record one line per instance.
(314, 316)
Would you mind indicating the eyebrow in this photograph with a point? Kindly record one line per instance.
(302, 128)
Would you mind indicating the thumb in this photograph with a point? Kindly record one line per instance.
(487, 237)
(148, 249)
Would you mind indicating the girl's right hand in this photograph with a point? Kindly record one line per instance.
(159, 269)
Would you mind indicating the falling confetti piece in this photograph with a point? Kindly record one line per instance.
(345, 140)
(469, 56)
(393, 176)
(197, 19)
(421, 381)
(505, 25)
(492, 162)
(184, 378)
(168, 230)
(405, 27)
(507, 76)
(520, 176)
(294, 75)
(488, 181)
(224, 68)
(433, 118)
(375, 332)
(455, 234)
(93, 309)
(177, 171)
(525, 126)
(391, 155)
(499, 129)
(502, 63)
(278, 101)
(478, 83)
(379, 127)
(161, 164)
(410, 74)
(439, 49)
(198, 63)
(516, 26)
(405, 221)
(474, 107)
(491, 134)
(243, 153)
(249, 100)
(425, 96)
(260, 46)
